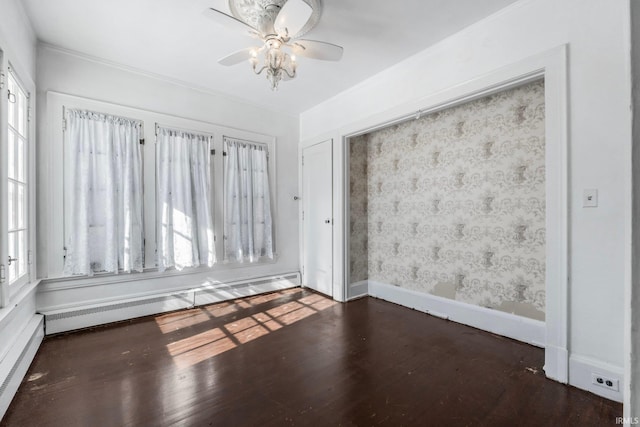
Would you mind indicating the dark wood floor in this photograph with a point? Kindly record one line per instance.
(295, 358)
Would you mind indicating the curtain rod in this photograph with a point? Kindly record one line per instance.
(188, 131)
(99, 113)
(244, 141)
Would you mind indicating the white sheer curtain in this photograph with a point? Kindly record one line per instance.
(247, 204)
(105, 194)
(185, 227)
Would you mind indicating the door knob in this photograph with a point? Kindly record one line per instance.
(327, 221)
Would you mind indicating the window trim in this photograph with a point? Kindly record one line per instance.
(15, 287)
(51, 178)
(9, 292)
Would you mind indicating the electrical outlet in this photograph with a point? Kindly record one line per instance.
(606, 382)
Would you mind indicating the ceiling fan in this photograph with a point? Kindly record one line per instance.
(278, 26)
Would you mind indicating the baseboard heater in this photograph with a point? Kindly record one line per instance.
(14, 366)
(84, 316)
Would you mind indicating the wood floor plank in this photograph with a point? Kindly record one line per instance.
(295, 358)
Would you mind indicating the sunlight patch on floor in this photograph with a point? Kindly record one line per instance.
(205, 345)
(176, 321)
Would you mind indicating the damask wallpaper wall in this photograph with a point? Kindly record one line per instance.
(358, 208)
(453, 204)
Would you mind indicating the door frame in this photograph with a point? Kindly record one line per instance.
(336, 296)
(552, 66)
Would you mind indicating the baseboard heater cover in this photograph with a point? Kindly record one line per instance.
(219, 293)
(119, 306)
(64, 320)
(18, 370)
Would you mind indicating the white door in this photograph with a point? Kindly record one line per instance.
(317, 197)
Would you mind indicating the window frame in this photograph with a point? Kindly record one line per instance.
(25, 183)
(9, 291)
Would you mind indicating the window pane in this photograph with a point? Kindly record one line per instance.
(13, 120)
(20, 159)
(22, 253)
(22, 114)
(11, 155)
(11, 212)
(20, 206)
(13, 268)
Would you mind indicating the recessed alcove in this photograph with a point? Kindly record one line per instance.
(452, 203)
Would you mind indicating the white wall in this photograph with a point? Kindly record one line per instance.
(597, 34)
(632, 324)
(17, 38)
(73, 74)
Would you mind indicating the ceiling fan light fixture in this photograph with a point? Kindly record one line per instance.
(277, 64)
(279, 24)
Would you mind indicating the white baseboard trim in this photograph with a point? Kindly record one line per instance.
(88, 315)
(580, 375)
(15, 364)
(358, 290)
(555, 363)
(505, 324)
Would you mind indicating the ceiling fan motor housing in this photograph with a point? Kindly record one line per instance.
(261, 14)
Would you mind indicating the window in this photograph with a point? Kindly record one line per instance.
(179, 218)
(184, 214)
(18, 182)
(103, 191)
(248, 233)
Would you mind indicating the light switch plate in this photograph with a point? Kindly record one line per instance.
(590, 198)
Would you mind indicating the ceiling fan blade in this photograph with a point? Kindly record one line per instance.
(317, 50)
(229, 21)
(292, 17)
(238, 57)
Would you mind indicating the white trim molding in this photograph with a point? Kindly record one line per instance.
(160, 77)
(15, 366)
(509, 325)
(21, 332)
(358, 290)
(84, 314)
(557, 222)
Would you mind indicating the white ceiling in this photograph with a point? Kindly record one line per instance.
(173, 38)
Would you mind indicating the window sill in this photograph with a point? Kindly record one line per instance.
(16, 288)
(6, 313)
(71, 282)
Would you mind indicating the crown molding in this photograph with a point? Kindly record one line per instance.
(163, 78)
